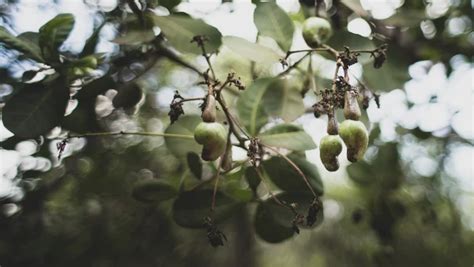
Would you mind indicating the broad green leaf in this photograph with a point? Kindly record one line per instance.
(83, 118)
(128, 96)
(92, 41)
(251, 51)
(153, 190)
(267, 228)
(36, 108)
(233, 187)
(135, 32)
(392, 75)
(250, 106)
(185, 125)
(194, 164)
(273, 223)
(29, 49)
(273, 22)
(406, 18)
(283, 99)
(180, 30)
(361, 173)
(191, 207)
(53, 34)
(169, 4)
(283, 175)
(288, 136)
(354, 41)
(251, 176)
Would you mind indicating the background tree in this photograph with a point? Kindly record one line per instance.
(102, 163)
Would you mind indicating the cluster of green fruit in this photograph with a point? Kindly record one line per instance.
(316, 31)
(352, 132)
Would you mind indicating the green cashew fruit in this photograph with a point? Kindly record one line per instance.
(329, 148)
(355, 136)
(209, 112)
(351, 106)
(213, 137)
(316, 31)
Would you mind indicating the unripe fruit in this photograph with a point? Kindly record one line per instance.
(355, 136)
(332, 124)
(329, 148)
(316, 31)
(351, 106)
(213, 137)
(209, 112)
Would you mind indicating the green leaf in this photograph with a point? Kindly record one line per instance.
(36, 109)
(273, 22)
(250, 107)
(251, 51)
(180, 30)
(190, 208)
(128, 96)
(83, 118)
(169, 4)
(234, 188)
(267, 228)
(282, 99)
(252, 178)
(288, 136)
(392, 75)
(184, 126)
(287, 178)
(361, 173)
(273, 223)
(29, 49)
(53, 34)
(136, 31)
(92, 41)
(153, 190)
(194, 164)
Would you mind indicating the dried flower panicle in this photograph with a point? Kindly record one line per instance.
(176, 107)
(315, 207)
(215, 236)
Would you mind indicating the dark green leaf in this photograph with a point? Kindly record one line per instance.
(169, 4)
(233, 187)
(184, 126)
(273, 222)
(180, 31)
(83, 118)
(273, 22)
(252, 178)
(283, 99)
(190, 208)
(250, 107)
(128, 96)
(287, 178)
(53, 34)
(361, 173)
(28, 48)
(251, 51)
(136, 32)
(36, 109)
(153, 190)
(392, 75)
(267, 228)
(194, 164)
(92, 41)
(288, 136)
